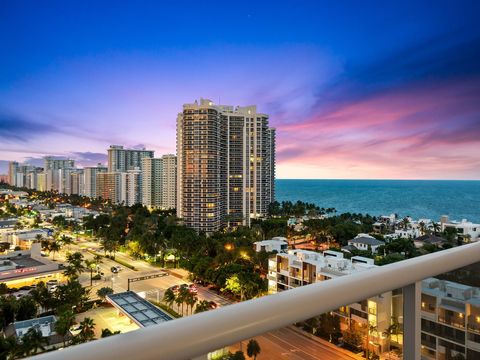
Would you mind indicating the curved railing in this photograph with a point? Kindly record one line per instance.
(196, 335)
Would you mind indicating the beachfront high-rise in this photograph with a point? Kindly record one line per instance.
(225, 165)
(122, 160)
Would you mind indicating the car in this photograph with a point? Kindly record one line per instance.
(213, 305)
(114, 269)
(175, 288)
(53, 288)
(26, 288)
(51, 283)
(75, 330)
(193, 288)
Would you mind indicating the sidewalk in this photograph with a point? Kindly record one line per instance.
(325, 343)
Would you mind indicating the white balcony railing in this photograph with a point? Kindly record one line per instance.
(193, 336)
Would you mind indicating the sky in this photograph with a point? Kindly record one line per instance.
(360, 89)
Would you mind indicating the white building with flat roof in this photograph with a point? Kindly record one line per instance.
(278, 244)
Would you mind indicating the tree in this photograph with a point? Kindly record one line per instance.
(66, 241)
(33, 341)
(191, 300)
(65, 321)
(54, 247)
(202, 306)
(75, 265)
(253, 348)
(26, 308)
(169, 297)
(9, 348)
(103, 292)
(107, 332)
(90, 265)
(87, 330)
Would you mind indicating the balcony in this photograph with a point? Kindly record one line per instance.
(195, 336)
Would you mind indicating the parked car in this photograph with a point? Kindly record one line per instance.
(193, 288)
(114, 269)
(213, 305)
(51, 283)
(53, 288)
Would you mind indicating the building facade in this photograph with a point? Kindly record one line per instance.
(152, 178)
(108, 186)
(225, 165)
(122, 160)
(90, 179)
(169, 181)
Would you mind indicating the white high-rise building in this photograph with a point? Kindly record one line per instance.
(226, 165)
(152, 177)
(122, 160)
(131, 187)
(169, 181)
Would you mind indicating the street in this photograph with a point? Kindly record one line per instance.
(285, 343)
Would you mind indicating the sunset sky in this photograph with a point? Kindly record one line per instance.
(357, 89)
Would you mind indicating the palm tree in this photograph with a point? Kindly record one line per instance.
(33, 341)
(66, 241)
(64, 322)
(75, 263)
(202, 306)
(54, 247)
(39, 238)
(191, 300)
(87, 330)
(253, 348)
(436, 228)
(169, 297)
(90, 265)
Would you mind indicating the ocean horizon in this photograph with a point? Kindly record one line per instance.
(430, 199)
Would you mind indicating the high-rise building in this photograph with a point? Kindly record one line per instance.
(56, 173)
(169, 181)
(131, 187)
(12, 172)
(90, 175)
(108, 186)
(225, 165)
(152, 177)
(122, 160)
(55, 164)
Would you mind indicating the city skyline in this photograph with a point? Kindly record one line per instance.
(354, 91)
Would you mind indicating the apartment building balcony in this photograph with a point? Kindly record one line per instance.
(194, 336)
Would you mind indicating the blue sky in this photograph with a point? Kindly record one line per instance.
(349, 86)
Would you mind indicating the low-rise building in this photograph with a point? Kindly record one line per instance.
(466, 230)
(365, 242)
(278, 244)
(423, 240)
(45, 325)
(27, 267)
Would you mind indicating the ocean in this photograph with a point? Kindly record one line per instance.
(428, 199)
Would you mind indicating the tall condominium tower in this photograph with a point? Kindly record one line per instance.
(152, 177)
(90, 174)
(225, 167)
(56, 172)
(122, 160)
(55, 164)
(159, 182)
(12, 173)
(108, 186)
(131, 187)
(169, 181)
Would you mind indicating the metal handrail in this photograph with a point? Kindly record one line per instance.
(193, 336)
